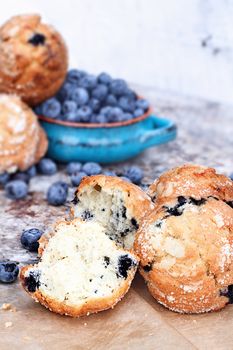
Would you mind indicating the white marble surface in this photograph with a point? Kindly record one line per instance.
(181, 46)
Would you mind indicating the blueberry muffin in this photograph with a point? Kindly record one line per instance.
(186, 254)
(33, 59)
(22, 141)
(191, 180)
(81, 270)
(118, 205)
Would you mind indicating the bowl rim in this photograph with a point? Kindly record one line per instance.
(96, 125)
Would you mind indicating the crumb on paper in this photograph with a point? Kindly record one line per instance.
(8, 307)
(8, 324)
(26, 338)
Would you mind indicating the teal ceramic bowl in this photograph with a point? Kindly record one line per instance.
(105, 143)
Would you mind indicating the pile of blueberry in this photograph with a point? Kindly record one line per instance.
(16, 186)
(86, 98)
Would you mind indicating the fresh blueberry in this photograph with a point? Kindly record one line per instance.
(73, 167)
(29, 239)
(126, 104)
(118, 87)
(8, 271)
(80, 96)
(69, 111)
(65, 92)
(143, 104)
(4, 178)
(115, 114)
(51, 108)
(231, 177)
(88, 82)
(111, 100)
(100, 119)
(100, 92)
(32, 171)
(74, 76)
(126, 116)
(124, 178)
(76, 178)
(104, 78)
(105, 111)
(109, 173)
(47, 166)
(57, 193)
(21, 176)
(135, 174)
(95, 104)
(130, 94)
(16, 189)
(92, 168)
(138, 112)
(84, 113)
(38, 109)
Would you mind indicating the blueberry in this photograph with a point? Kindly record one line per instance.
(32, 282)
(92, 168)
(118, 87)
(16, 189)
(104, 78)
(126, 104)
(84, 113)
(101, 119)
(69, 111)
(138, 112)
(38, 109)
(95, 104)
(143, 104)
(135, 174)
(29, 239)
(21, 176)
(73, 167)
(65, 92)
(8, 272)
(130, 94)
(32, 171)
(231, 176)
(88, 82)
(109, 173)
(111, 100)
(100, 92)
(105, 111)
(37, 39)
(80, 96)
(47, 166)
(115, 114)
(51, 108)
(126, 116)
(125, 263)
(4, 178)
(57, 193)
(76, 178)
(124, 178)
(74, 75)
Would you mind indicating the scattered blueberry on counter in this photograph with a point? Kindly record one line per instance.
(91, 168)
(57, 193)
(76, 178)
(16, 189)
(135, 174)
(73, 167)
(4, 178)
(29, 239)
(83, 98)
(47, 166)
(8, 272)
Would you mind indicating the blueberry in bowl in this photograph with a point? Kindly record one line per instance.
(101, 119)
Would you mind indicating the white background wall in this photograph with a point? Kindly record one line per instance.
(185, 46)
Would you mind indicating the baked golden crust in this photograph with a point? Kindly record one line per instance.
(136, 200)
(187, 260)
(33, 71)
(91, 305)
(191, 180)
(22, 141)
